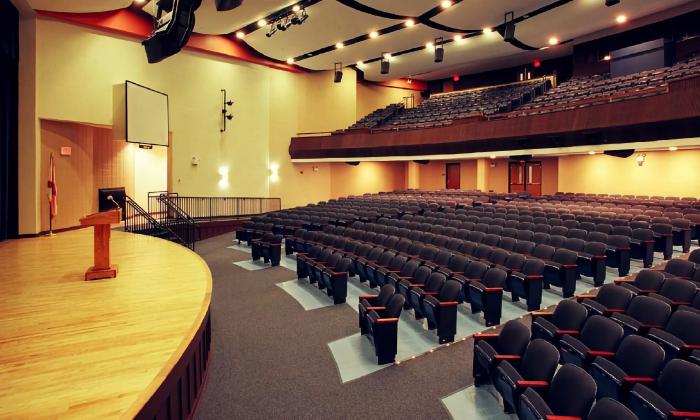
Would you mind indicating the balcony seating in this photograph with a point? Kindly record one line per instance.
(674, 395)
(570, 395)
(537, 367)
(491, 348)
(637, 360)
(568, 318)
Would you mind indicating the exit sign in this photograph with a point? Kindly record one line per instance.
(66, 151)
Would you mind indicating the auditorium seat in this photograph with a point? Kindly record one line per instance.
(642, 246)
(441, 310)
(599, 336)
(491, 348)
(475, 271)
(642, 314)
(527, 283)
(268, 247)
(663, 239)
(676, 292)
(394, 266)
(591, 262)
(618, 254)
(418, 279)
(560, 271)
(637, 360)
(680, 338)
(610, 299)
(681, 233)
(678, 268)
(381, 327)
(607, 408)
(536, 369)
(570, 395)
(567, 318)
(486, 295)
(646, 281)
(372, 301)
(334, 276)
(674, 395)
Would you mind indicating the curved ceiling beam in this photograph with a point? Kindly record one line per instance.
(370, 10)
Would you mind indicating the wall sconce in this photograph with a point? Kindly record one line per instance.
(314, 168)
(274, 172)
(641, 158)
(223, 173)
(225, 115)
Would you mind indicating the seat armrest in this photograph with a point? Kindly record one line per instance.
(508, 357)
(685, 414)
(493, 289)
(593, 353)
(579, 298)
(532, 384)
(569, 332)
(386, 320)
(638, 379)
(448, 303)
(553, 417)
(543, 314)
(485, 336)
(375, 308)
(368, 297)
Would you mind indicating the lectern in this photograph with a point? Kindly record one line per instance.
(101, 222)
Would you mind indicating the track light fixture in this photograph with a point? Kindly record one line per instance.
(439, 49)
(225, 114)
(385, 63)
(296, 17)
(509, 27)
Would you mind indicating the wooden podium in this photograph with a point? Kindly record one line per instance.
(101, 221)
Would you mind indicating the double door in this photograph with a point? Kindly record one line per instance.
(525, 176)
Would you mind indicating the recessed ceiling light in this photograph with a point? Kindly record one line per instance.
(607, 57)
(458, 38)
(296, 8)
(373, 34)
(240, 34)
(673, 148)
(360, 64)
(429, 46)
(290, 60)
(621, 19)
(409, 22)
(553, 40)
(492, 156)
(387, 56)
(591, 152)
(486, 31)
(445, 4)
(339, 45)
(261, 23)
(139, 1)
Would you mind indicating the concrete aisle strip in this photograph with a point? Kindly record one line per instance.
(472, 403)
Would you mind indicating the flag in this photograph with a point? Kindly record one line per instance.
(53, 189)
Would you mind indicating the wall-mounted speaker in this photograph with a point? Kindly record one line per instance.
(338, 76)
(439, 54)
(385, 67)
(624, 153)
(509, 32)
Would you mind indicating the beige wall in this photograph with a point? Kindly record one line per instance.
(371, 97)
(664, 173)
(496, 178)
(367, 177)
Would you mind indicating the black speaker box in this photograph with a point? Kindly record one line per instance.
(439, 54)
(509, 32)
(385, 67)
(624, 153)
(338, 76)
(171, 37)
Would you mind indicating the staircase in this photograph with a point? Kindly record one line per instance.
(138, 220)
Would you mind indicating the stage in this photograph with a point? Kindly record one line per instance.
(134, 346)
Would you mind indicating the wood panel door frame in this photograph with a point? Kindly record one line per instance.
(534, 187)
(450, 180)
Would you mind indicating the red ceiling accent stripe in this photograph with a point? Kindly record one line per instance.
(128, 23)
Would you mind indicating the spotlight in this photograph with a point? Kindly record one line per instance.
(296, 8)
(611, 2)
(553, 40)
(337, 72)
(621, 19)
(509, 28)
(385, 63)
(283, 24)
(373, 34)
(439, 50)
(673, 148)
(339, 45)
(290, 60)
(240, 34)
(301, 19)
(607, 57)
(641, 158)
(591, 152)
(429, 46)
(409, 22)
(261, 23)
(445, 4)
(486, 31)
(271, 31)
(360, 64)
(458, 38)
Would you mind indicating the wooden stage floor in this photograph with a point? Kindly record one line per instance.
(71, 348)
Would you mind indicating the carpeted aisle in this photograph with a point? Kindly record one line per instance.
(270, 357)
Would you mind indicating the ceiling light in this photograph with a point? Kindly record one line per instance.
(339, 45)
(290, 60)
(591, 152)
(621, 19)
(607, 57)
(240, 34)
(296, 8)
(445, 4)
(429, 46)
(139, 1)
(261, 23)
(486, 31)
(360, 64)
(373, 34)
(387, 56)
(458, 38)
(492, 157)
(553, 40)
(673, 148)
(409, 22)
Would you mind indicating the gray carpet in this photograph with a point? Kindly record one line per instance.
(270, 357)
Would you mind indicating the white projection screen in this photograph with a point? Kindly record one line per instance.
(146, 115)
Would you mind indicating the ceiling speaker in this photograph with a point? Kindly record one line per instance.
(439, 54)
(509, 32)
(172, 29)
(338, 76)
(224, 5)
(385, 67)
(624, 153)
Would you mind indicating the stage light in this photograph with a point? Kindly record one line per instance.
(606, 58)
(445, 4)
(509, 28)
(296, 8)
(271, 31)
(339, 45)
(492, 157)
(487, 31)
(240, 34)
(553, 40)
(261, 23)
(290, 60)
(621, 19)
(337, 72)
(373, 34)
(409, 22)
(672, 148)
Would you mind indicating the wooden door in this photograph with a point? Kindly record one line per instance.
(516, 176)
(452, 172)
(533, 178)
